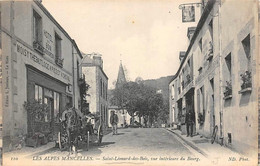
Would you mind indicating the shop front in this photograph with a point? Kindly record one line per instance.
(50, 96)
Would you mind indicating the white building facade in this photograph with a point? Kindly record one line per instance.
(39, 63)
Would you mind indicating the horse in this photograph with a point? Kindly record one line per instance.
(72, 125)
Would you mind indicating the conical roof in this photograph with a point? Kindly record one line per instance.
(121, 75)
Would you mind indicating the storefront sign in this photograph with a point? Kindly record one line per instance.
(33, 57)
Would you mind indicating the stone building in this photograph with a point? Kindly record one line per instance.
(39, 62)
(92, 66)
(198, 8)
(217, 76)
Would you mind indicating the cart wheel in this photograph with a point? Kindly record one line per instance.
(62, 140)
(100, 135)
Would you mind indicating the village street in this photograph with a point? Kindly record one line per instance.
(140, 144)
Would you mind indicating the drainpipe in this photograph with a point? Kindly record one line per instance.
(220, 76)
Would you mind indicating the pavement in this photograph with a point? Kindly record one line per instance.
(214, 152)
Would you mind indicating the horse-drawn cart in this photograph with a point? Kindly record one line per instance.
(76, 127)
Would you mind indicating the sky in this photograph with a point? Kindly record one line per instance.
(147, 35)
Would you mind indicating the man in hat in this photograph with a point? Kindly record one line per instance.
(114, 121)
(189, 122)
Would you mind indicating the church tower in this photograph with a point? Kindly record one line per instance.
(121, 75)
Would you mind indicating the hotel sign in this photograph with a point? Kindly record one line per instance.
(34, 58)
(188, 14)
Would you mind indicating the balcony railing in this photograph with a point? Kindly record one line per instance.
(59, 61)
(38, 47)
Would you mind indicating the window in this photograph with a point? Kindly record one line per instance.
(247, 47)
(37, 32)
(38, 93)
(101, 88)
(103, 85)
(202, 104)
(78, 69)
(228, 63)
(57, 45)
(56, 98)
(106, 92)
(58, 59)
(212, 83)
(211, 28)
(200, 44)
(37, 27)
(200, 70)
(189, 62)
(228, 86)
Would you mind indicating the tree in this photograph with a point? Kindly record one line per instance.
(139, 100)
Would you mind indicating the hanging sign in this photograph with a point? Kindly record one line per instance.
(188, 14)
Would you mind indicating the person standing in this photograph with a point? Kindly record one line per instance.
(114, 121)
(189, 122)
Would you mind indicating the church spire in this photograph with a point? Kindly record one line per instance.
(121, 75)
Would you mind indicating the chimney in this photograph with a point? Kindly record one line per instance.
(190, 32)
(182, 55)
(97, 60)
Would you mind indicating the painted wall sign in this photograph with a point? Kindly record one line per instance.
(22, 50)
(48, 46)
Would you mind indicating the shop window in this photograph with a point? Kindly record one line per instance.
(38, 93)
(58, 58)
(69, 101)
(37, 32)
(56, 99)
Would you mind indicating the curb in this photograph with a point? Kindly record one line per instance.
(189, 143)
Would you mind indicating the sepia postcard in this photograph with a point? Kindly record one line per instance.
(129, 82)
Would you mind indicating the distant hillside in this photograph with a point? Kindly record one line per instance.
(160, 84)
